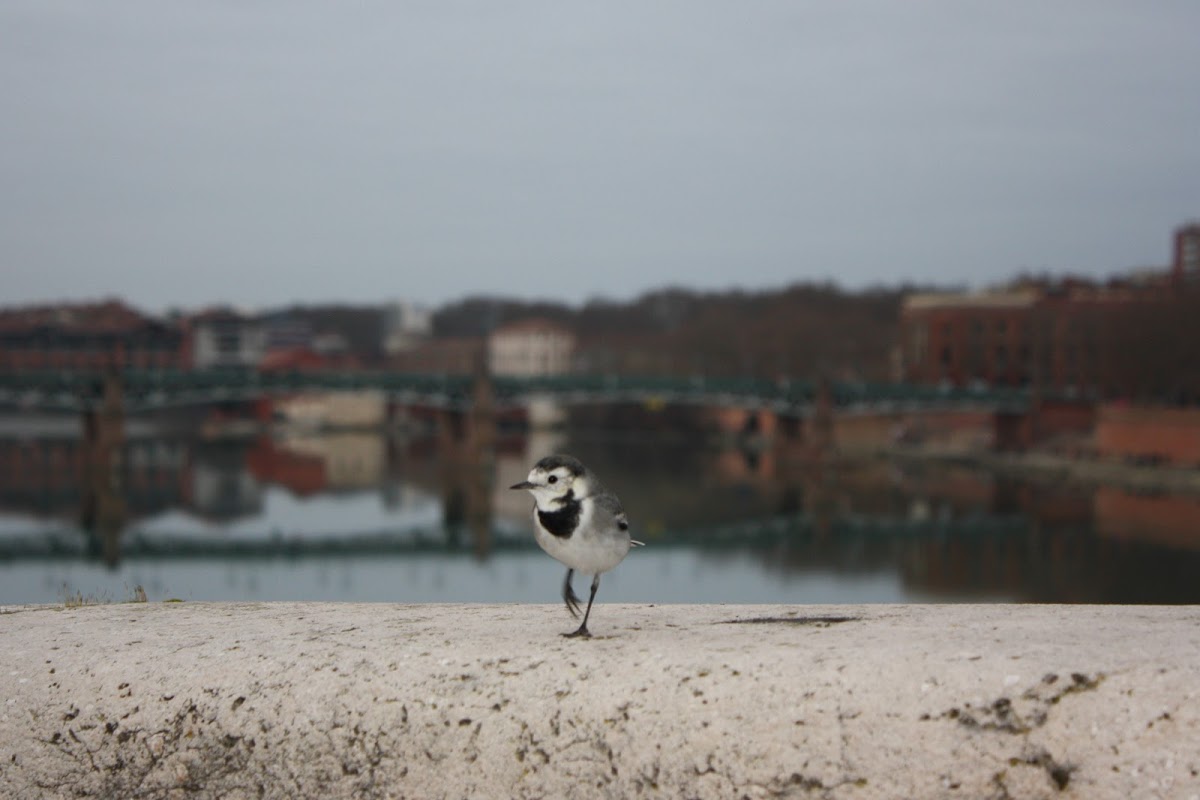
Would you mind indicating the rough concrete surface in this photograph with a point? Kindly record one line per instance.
(240, 700)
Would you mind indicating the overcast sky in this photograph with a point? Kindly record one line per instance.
(186, 153)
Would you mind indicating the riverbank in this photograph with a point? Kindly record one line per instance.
(275, 700)
(1049, 467)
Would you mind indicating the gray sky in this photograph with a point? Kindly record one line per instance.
(185, 153)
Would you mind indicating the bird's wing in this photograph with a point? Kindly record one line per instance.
(609, 502)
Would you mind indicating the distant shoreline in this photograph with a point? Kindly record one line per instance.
(1043, 467)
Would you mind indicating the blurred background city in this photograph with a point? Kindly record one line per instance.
(900, 306)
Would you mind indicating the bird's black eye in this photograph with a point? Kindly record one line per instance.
(552, 479)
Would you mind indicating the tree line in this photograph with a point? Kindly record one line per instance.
(798, 331)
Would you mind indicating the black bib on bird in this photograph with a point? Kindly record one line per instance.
(562, 521)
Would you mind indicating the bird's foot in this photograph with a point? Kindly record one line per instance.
(580, 632)
(571, 600)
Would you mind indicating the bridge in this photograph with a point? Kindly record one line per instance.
(149, 390)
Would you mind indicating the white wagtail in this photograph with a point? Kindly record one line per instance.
(578, 522)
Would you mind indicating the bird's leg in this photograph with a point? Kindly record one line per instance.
(569, 595)
(582, 630)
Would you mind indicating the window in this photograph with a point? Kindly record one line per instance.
(227, 341)
(918, 343)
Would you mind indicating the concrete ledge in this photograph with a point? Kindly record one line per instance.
(305, 700)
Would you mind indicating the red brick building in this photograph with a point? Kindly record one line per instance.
(89, 336)
(1068, 335)
(451, 356)
(961, 338)
(1185, 267)
(1062, 337)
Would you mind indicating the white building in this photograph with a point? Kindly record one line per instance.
(404, 326)
(225, 338)
(530, 347)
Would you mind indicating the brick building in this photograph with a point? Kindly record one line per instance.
(1064, 337)
(89, 336)
(462, 355)
(959, 338)
(1185, 267)
(1068, 335)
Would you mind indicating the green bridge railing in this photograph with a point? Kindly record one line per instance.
(147, 389)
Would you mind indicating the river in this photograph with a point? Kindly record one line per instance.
(365, 517)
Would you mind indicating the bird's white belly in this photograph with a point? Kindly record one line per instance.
(585, 550)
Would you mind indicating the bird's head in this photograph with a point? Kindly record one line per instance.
(553, 477)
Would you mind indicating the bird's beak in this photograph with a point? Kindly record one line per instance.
(522, 485)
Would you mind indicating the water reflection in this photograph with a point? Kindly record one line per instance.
(368, 517)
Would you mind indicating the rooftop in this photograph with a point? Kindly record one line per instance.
(533, 325)
(1021, 298)
(101, 316)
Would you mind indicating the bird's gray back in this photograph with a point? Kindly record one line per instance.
(609, 517)
(607, 501)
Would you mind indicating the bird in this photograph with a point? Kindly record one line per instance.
(578, 522)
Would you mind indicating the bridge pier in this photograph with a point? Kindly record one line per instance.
(467, 452)
(104, 511)
(808, 438)
(821, 433)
